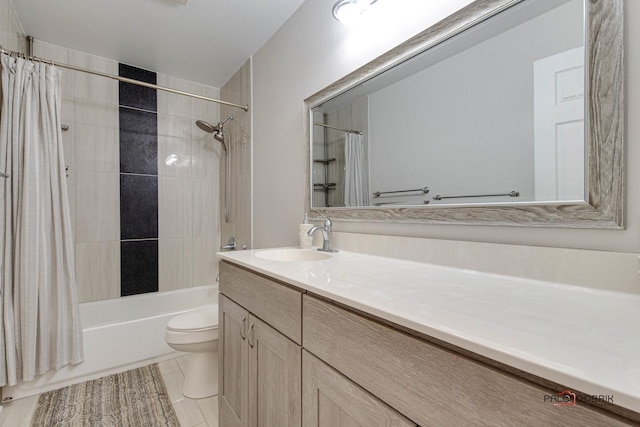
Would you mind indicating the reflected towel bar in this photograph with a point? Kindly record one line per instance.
(425, 190)
(359, 132)
(426, 202)
(513, 193)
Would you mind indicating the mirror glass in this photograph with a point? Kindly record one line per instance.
(492, 115)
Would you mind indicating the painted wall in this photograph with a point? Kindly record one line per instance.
(312, 50)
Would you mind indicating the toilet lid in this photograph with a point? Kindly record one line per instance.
(196, 320)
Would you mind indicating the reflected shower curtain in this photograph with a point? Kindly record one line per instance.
(356, 178)
(39, 305)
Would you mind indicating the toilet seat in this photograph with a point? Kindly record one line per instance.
(201, 320)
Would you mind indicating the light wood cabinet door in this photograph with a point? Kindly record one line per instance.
(233, 350)
(274, 302)
(331, 400)
(274, 377)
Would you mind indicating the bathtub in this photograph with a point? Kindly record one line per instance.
(121, 334)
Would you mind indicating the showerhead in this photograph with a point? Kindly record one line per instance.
(217, 131)
(207, 127)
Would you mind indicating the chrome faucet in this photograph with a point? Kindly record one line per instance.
(231, 245)
(327, 245)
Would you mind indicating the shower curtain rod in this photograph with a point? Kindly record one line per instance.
(122, 79)
(336, 128)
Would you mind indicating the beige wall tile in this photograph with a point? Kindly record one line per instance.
(98, 270)
(205, 110)
(97, 206)
(175, 126)
(11, 31)
(171, 264)
(96, 89)
(4, 15)
(188, 206)
(97, 148)
(174, 104)
(96, 113)
(174, 156)
(205, 216)
(189, 255)
(207, 156)
(205, 264)
(172, 199)
(51, 51)
(238, 90)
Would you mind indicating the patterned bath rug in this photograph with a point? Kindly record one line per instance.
(136, 398)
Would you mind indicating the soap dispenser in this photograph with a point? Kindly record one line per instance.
(303, 229)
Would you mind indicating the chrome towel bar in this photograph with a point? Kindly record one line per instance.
(425, 190)
(426, 202)
(513, 193)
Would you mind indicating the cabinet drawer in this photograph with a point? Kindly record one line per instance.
(276, 304)
(331, 400)
(430, 385)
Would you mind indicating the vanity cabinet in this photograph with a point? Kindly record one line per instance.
(260, 369)
(291, 358)
(427, 383)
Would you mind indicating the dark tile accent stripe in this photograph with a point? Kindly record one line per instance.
(138, 183)
(139, 268)
(138, 141)
(138, 96)
(138, 207)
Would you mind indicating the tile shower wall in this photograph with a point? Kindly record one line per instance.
(238, 91)
(185, 171)
(12, 35)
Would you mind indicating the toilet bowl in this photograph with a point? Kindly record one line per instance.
(196, 332)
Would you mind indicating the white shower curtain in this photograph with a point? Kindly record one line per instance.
(39, 305)
(356, 177)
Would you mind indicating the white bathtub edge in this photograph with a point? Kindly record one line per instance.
(112, 348)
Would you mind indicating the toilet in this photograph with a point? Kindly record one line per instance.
(196, 332)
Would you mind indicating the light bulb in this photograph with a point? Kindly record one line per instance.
(348, 11)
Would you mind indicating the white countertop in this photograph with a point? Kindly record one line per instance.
(585, 339)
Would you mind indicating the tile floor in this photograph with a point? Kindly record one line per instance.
(190, 412)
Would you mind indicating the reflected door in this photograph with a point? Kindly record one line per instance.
(559, 126)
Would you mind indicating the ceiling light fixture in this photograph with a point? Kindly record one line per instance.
(348, 11)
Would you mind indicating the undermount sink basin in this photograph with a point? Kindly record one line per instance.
(296, 255)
